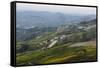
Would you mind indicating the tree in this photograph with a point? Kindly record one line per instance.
(23, 48)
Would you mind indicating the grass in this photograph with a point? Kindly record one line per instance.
(59, 54)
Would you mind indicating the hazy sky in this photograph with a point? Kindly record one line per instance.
(56, 8)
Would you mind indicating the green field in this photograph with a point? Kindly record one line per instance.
(59, 54)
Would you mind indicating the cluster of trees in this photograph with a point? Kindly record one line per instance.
(22, 48)
(26, 47)
(80, 35)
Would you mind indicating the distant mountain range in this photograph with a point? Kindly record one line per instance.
(31, 19)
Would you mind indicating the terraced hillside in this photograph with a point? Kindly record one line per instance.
(60, 54)
(62, 44)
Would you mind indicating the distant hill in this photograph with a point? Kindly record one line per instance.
(27, 19)
(32, 32)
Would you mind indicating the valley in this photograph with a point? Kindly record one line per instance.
(60, 44)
